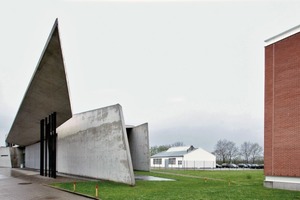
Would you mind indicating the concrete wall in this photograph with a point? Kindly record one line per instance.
(282, 182)
(138, 138)
(11, 157)
(95, 144)
(16, 156)
(5, 160)
(32, 156)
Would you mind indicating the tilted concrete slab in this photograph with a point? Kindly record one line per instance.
(138, 138)
(47, 93)
(95, 144)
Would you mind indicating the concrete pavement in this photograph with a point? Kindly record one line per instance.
(29, 185)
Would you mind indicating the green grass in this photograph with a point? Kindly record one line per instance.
(234, 184)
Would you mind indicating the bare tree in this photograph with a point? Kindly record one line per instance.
(232, 151)
(251, 151)
(177, 144)
(245, 151)
(256, 152)
(221, 150)
(157, 149)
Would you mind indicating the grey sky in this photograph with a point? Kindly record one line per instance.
(194, 70)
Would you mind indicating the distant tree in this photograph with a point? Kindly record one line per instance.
(256, 152)
(226, 151)
(177, 144)
(232, 151)
(245, 151)
(221, 150)
(157, 149)
(251, 151)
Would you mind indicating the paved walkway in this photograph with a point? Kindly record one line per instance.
(29, 185)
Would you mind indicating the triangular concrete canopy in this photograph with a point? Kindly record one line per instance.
(47, 93)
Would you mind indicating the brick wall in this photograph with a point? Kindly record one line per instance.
(282, 107)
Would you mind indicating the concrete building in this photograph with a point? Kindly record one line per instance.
(282, 110)
(11, 157)
(184, 157)
(97, 144)
(94, 144)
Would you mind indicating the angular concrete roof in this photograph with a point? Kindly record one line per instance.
(47, 93)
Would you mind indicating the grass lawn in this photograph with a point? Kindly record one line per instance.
(232, 184)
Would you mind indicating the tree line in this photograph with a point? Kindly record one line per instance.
(228, 152)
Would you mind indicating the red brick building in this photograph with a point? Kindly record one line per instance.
(282, 110)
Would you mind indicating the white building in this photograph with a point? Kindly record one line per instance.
(184, 157)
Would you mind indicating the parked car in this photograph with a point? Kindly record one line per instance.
(254, 166)
(261, 166)
(241, 165)
(224, 165)
(232, 165)
(248, 165)
(218, 166)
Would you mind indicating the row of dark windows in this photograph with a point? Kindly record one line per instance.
(172, 161)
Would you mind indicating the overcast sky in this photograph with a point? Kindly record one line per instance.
(194, 70)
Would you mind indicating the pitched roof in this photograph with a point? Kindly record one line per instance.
(175, 152)
(180, 148)
(47, 93)
(170, 154)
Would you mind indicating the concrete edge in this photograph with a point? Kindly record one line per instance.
(146, 142)
(78, 177)
(75, 193)
(282, 185)
(282, 35)
(125, 139)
